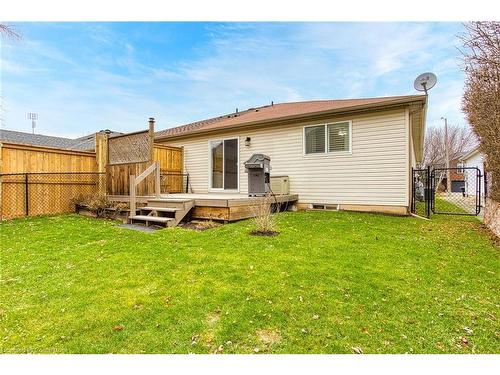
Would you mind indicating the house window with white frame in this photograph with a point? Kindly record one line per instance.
(328, 138)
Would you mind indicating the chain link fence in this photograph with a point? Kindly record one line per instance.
(422, 193)
(32, 194)
(452, 191)
(458, 191)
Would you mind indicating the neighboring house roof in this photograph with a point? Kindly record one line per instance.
(441, 161)
(285, 111)
(471, 153)
(82, 143)
(87, 142)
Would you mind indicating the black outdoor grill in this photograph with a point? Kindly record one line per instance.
(258, 168)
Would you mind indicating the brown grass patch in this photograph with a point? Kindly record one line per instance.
(269, 336)
(213, 318)
(207, 337)
(264, 233)
(200, 225)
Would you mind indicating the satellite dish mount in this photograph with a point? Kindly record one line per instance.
(425, 82)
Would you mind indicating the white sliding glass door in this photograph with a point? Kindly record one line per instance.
(224, 172)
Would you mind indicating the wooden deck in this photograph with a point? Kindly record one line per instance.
(217, 206)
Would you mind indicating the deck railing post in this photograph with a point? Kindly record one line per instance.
(151, 138)
(157, 180)
(132, 195)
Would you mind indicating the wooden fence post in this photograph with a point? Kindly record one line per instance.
(133, 202)
(101, 150)
(157, 180)
(151, 138)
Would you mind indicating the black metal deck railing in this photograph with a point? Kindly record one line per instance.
(174, 182)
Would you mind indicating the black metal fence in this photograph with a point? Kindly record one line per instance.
(458, 191)
(422, 194)
(31, 194)
(453, 191)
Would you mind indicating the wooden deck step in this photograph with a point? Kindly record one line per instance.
(181, 204)
(160, 209)
(155, 219)
(166, 212)
(169, 200)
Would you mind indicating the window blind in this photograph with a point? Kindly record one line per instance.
(339, 137)
(315, 139)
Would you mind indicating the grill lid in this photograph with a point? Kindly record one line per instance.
(257, 161)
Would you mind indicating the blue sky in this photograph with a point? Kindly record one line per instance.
(84, 77)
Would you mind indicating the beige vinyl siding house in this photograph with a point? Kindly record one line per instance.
(370, 171)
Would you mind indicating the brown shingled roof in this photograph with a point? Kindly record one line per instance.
(281, 111)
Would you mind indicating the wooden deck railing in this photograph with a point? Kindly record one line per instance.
(135, 181)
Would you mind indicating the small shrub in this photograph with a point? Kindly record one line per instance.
(79, 200)
(264, 221)
(120, 206)
(99, 203)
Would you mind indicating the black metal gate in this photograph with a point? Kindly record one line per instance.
(451, 191)
(457, 191)
(421, 192)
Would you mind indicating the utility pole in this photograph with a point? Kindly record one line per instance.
(447, 155)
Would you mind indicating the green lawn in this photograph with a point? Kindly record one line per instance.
(329, 282)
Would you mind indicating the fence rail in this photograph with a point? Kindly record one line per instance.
(32, 194)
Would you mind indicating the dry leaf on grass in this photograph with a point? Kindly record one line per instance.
(357, 350)
(464, 341)
(468, 330)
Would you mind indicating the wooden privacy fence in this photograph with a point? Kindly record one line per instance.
(32, 194)
(18, 158)
(118, 178)
(38, 180)
(35, 180)
(131, 154)
(130, 148)
(171, 165)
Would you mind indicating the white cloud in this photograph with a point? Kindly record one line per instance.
(108, 82)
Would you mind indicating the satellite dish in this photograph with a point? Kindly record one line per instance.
(425, 82)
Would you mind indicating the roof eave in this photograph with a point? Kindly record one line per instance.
(419, 151)
(358, 108)
(472, 152)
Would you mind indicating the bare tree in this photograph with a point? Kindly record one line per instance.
(461, 139)
(481, 101)
(9, 31)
